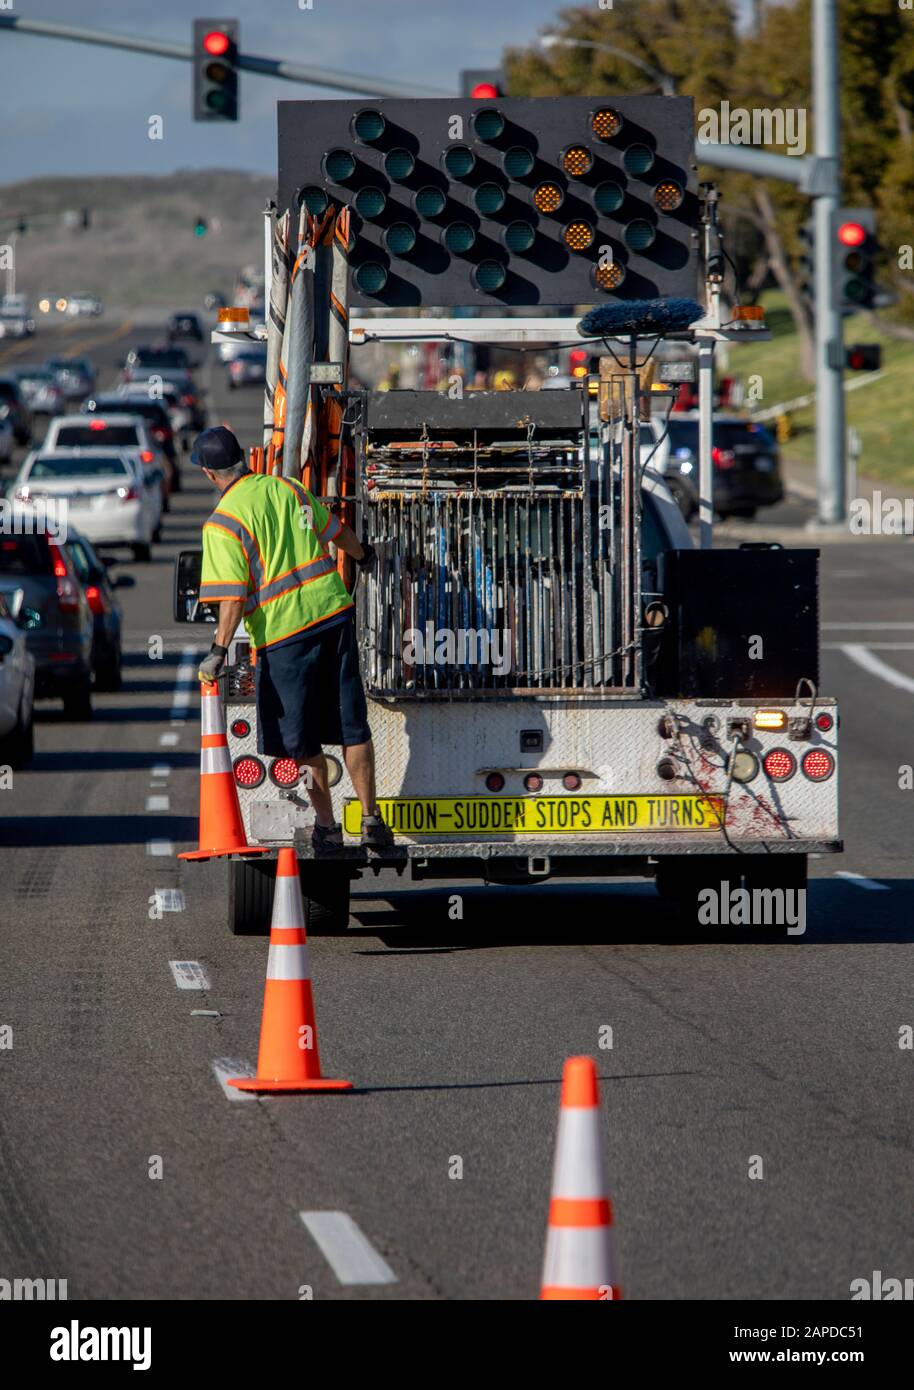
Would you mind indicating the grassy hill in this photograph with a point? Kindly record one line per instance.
(140, 248)
(880, 407)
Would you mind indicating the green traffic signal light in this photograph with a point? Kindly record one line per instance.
(200, 227)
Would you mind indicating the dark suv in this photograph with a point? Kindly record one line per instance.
(747, 466)
(13, 401)
(60, 637)
(185, 326)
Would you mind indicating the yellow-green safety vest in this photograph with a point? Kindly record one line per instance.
(266, 544)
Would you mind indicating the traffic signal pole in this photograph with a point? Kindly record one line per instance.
(829, 333)
(266, 67)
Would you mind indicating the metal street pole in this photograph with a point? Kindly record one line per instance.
(662, 79)
(829, 329)
(11, 268)
(266, 67)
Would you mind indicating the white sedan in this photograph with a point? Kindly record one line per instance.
(17, 682)
(122, 434)
(101, 493)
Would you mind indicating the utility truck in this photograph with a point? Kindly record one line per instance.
(561, 684)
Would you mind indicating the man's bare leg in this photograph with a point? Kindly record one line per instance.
(359, 760)
(318, 788)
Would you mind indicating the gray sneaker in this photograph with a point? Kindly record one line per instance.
(375, 834)
(326, 839)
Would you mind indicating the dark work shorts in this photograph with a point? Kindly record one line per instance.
(309, 692)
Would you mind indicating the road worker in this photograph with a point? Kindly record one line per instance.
(265, 562)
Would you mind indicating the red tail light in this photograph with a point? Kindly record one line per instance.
(818, 765)
(779, 764)
(249, 772)
(67, 592)
(533, 782)
(159, 432)
(571, 781)
(824, 722)
(98, 424)
(128, 494)
(284, 772)
(495, 782)
(147, 456)
(240, 728)
(94, 595)
(722, 458)
(187, 400)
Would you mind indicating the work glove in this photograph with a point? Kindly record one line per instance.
(368, 554)
(212, 664)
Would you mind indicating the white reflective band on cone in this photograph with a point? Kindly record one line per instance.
(579, 1257)
(211, 720)
(578, 1168)
(215, 760)
(288, 963)
(287, 903)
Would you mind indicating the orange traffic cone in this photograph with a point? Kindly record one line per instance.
(221, 827)
(288, 1059)
(580, 1257)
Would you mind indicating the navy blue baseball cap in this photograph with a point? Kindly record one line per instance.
(216, 448)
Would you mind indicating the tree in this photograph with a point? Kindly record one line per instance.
(767, 68)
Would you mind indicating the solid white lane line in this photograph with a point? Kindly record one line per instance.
(169, 899)
(861, 881)
(157, 803)
(224, 1067)
(348, 1252)
(873, 646)
(160, 849)
(184, 683)
(189, 974)
(865, 659)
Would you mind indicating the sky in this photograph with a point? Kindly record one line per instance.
(77, 109)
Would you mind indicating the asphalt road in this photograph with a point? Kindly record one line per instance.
(454, 1032)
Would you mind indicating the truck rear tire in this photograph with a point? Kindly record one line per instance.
(326, 889)
(325, 896)
(250, 896)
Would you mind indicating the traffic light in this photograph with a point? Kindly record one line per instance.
(854, 242)
(482, 84)
(863, 357)
(200, 226)
(216, 69)
(505, 201)
(806, 266)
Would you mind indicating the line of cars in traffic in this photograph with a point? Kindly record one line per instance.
(102, 475)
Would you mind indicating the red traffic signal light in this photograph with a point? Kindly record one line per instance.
(482, 84)
(216, 59)
(851, 234)
(863, 357)
(217, 42)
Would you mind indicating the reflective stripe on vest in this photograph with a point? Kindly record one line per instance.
(235, 528)
(302, 574)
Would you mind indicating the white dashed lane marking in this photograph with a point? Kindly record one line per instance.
(861, 881)
(189, 974)
(169, 899)
(226, 1067)
(160, 849)
(346, 1249)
